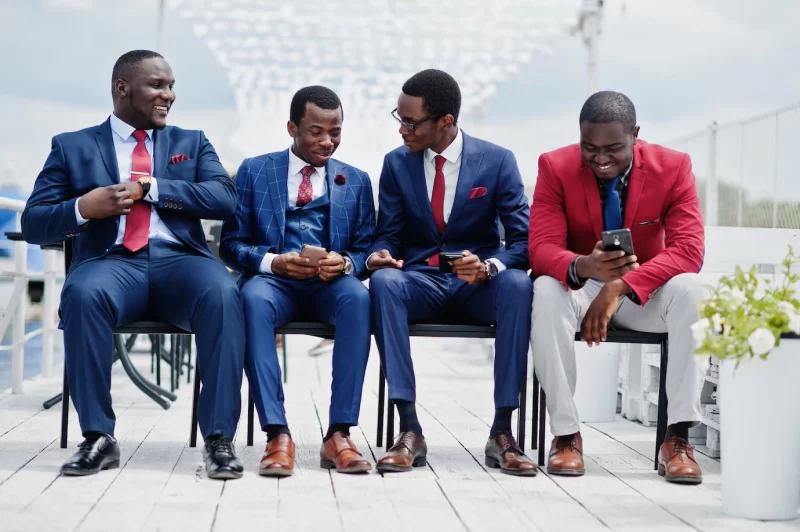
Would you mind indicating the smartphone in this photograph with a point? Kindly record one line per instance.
(315, 253)
(618, 239)
(444, 261)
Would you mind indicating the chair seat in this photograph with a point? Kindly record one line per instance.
(149, 327)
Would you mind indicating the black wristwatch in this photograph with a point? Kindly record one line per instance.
(491, 269)
(145, 182)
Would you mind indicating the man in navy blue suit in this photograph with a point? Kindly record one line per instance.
(444, 191)
(131, 193)
(288, 200)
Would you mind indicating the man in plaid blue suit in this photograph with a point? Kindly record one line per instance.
(289, 199)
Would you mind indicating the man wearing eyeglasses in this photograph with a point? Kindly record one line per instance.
(445, 192)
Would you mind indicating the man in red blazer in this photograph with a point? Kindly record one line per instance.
(612, 180)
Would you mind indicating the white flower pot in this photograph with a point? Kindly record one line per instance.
(760, 430)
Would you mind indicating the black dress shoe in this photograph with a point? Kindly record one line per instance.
(93, 455)
(220, 457)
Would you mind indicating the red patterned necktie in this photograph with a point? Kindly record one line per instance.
(437, 203)
(305, 191)
(137, 226)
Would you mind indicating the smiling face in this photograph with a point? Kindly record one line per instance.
(607, 148)
(144, 94)
(317, 135)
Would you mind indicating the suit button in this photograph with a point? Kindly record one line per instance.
(303, 227)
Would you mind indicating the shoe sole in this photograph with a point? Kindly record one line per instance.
(84, 473)
(566, 472)
(495, 464)
(275, 473)
(324, 464)
(225, 475)
(662, 472)
(421, 461)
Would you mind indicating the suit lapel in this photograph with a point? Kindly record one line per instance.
(635, 186)
(105, 143)
(277, 176)
(416, 172)
(161, 151)
(592, 192)
(337, 194)
(471, 159)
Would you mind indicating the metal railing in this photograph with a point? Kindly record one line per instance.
(14, 312)
(745, 171)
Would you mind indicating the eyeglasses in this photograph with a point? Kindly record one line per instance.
(412, 126)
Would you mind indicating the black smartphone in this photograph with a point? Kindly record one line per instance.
(618, 239)
(444, 261)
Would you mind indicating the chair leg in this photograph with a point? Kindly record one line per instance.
(381, 401)
(195, 399)
(661, 424)
(64, 409)
(389, 423)
(535, 413)
(250, 408)
(172, 365)
(285, 367)
(542, 419)
(157, 347)
(523, 403)
(189, 360)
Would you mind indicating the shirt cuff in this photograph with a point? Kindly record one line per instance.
(496, 262)
(81, 220)
(152, 196)
(367, 262)
(350, 262)
(266, 262)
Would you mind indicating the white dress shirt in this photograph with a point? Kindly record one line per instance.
(319, 187)
(124, 143)
(451, 171)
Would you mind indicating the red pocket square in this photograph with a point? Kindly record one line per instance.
(178, 158)
(477, 192)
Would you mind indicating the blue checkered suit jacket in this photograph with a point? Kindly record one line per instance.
(259, 225)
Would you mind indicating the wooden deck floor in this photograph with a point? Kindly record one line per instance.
(162, 486)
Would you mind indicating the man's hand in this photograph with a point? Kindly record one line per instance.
(293, 266)
(104, 202)
(469, 268)
(331, 267)
(383, 259)
(135, 189)
(605, 266)
(602, 309)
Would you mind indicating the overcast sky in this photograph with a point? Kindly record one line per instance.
(684, 63)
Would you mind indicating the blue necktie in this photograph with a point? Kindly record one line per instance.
(613, 210)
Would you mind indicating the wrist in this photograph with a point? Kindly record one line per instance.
(619, 287)
(580, 267)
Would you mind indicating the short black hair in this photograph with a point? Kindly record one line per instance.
(439, 92)
(609, 106)
(322, 97)
(131, 59)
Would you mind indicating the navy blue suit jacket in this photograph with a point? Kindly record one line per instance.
(198, 188)
(259, 225)
(405, 220)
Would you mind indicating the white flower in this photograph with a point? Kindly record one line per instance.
(786, 307)
(794, 323)
(700, 330)
(761, 341)
(716, 319)
(738, 296)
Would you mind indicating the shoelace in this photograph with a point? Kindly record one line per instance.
(223, 446)
(405, 440)
(507, 443)
(566, 443)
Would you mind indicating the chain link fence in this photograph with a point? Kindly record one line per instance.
(744, 170)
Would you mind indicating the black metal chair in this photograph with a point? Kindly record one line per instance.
(616, 336)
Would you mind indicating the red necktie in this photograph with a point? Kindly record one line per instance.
(437, 203)
(137, 226)
(304, 193)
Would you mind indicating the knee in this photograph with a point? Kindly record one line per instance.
(222, 293)
(514, 284)
(387, 281)
(548, 290)
(255, 304)
(688, 290)
(355, 298)
(84, 295)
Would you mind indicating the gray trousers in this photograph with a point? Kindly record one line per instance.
(557, 315)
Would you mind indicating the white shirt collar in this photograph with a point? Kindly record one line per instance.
(125, 130)
(296, 164)
(452, 153)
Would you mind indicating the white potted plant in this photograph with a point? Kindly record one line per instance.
(752, 325)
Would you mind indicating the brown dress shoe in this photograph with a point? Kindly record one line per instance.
(566, 456)
(676, 462)
(503, 452)
(409, 451)
(278, 459)
(340, 453)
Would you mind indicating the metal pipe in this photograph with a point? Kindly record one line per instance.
(18, 325)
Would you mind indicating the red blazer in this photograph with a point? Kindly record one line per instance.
(662, 210)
